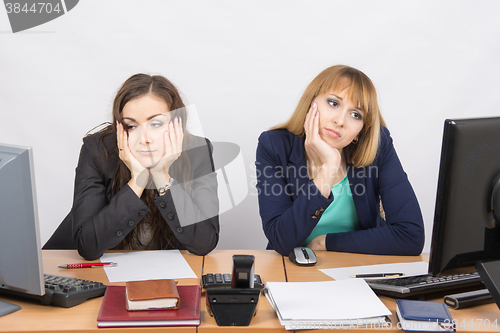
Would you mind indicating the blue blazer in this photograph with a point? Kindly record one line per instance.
(291, 205)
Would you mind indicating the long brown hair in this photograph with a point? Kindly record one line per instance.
(134, 87)
(361, 92)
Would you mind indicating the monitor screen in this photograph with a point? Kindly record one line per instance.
(466, 229)
(20, 250)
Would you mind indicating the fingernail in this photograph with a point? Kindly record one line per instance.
(313, 104)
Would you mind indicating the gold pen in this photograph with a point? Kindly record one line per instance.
(377, 275)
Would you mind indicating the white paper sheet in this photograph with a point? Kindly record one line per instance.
(147, 265)
(408, 268)
(326, 301)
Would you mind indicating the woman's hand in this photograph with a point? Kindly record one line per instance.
(324, 161)
(318, 243)
(318, 151)
(138, 172)
(173, 138)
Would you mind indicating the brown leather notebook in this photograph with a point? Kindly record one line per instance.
(152, 295)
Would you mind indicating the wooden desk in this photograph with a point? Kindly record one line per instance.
(34, 317)
(475, 319)
(269, 265)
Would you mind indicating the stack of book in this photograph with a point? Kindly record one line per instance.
(150, 303)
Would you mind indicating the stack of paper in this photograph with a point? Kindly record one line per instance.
(407, 268)
(331, 304)
(147, 265)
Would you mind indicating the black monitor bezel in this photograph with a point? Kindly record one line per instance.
(453, 128)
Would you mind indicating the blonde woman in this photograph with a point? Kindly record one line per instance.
(323, 175)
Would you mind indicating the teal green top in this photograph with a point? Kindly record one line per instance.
(340, 215)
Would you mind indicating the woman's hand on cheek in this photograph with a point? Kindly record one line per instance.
(318, 243)
(173, 139)
(324, 161)
(139, 174)
(318, 151)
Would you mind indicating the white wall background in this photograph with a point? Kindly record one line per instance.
(244, 64)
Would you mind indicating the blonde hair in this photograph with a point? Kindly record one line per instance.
(361, 92)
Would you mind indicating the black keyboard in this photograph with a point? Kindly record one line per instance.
(224, 281)
(424, 284)
(63, 291)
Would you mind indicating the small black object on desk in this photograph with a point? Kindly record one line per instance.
(468, 299)
(490, 273)
(303, 256)
(235, 306)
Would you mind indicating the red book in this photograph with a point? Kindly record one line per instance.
(114, 312)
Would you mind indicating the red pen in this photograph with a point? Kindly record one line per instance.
(97, 264)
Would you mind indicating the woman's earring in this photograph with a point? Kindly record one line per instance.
(355, 140)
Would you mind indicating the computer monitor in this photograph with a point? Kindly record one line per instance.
(20, 251)
(467, 213)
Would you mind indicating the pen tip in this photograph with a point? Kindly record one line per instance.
(62, 266)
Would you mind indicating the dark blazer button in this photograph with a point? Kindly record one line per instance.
(179, 230)
(170, 216)
(317, 213)
(142, 213)
(313, 217)
(119, 233)
(163, 205)
(131, 223)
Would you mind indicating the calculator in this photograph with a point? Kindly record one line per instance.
(219, 280)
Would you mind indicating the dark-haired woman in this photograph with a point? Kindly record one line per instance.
(144, 182)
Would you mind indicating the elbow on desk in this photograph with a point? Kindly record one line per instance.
(86, 251)
(204, 249)
(414, 241)
(410, 244)
(414, 247)
(88, 254)
(280, 249)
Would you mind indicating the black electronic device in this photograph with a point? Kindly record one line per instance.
(303, 256)
(468, 299)
(21, 265)
(407, 286)
(62, 291)
(490, 273)
(220, 280)
(234, 306)
(466, 226)
(242, 276)
(467, 213)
